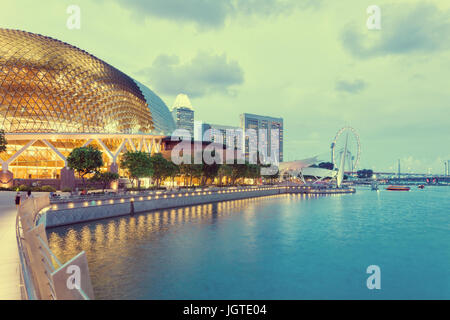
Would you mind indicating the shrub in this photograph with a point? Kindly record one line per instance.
(24, 187)
(48, 189)
(66, 189)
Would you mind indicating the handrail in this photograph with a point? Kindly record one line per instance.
(83, 294)
(39, 279)
(49, 251)
(28, 292)
(131, 194)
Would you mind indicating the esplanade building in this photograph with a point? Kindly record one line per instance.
(55, 97)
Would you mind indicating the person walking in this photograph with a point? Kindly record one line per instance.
(17, 199)
(29, 195)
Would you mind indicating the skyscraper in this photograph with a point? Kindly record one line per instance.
(263, 124)
(199, 130)
(183, 113)
(218, 133)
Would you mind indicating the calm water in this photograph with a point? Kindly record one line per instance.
(280, 247)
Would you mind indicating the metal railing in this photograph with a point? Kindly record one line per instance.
(42, 275)
(144, 193)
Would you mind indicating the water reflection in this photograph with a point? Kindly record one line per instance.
(112, 233)
(123, 248)
(66, 241)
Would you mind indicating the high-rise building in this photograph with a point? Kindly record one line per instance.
(218, 133)
(267, 124)
(198, 130)
(183, 113)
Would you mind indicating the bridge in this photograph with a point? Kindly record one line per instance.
(420, 178)
(429, 179)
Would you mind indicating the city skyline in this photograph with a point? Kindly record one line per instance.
(222, 155)
(326, 72)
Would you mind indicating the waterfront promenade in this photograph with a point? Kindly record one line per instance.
(75, 210)
(9, 257)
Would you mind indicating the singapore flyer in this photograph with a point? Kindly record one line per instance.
(353, 148)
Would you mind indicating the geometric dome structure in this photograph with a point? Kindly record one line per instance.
(162, 118)
(55, 97)
(47, 85)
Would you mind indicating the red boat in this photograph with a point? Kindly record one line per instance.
(398, 188)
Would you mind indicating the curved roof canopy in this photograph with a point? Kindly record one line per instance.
(297, 165)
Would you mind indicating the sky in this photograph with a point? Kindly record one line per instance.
(314, 63)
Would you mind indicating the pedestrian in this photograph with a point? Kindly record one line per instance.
(17, 199)
(29, 195)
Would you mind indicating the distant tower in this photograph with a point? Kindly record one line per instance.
(399, 168)
(446, 168)
(183, 113)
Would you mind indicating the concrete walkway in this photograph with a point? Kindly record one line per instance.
(9, 257)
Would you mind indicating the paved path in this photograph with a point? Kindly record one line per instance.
(9, 257)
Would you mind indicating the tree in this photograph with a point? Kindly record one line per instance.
(225, 170)
(184, 171)
(85, 160)
(105, 178)
(138, 165)
(196, 171)
(253, 171)
(210, 171)
(190, 170)
(238, 171)
(326, 165)
(161, 168)
(364, 173)
(3, 141)
(172, 170)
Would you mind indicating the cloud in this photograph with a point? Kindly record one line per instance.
(351, 86)
(211, 13)
(204, 74)
(203, 12)
(270, 7)
(403, 30)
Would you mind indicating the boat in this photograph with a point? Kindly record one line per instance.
(421, 186)
(374, 186)
(398, 188)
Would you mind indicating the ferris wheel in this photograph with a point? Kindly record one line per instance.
(353, 148)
